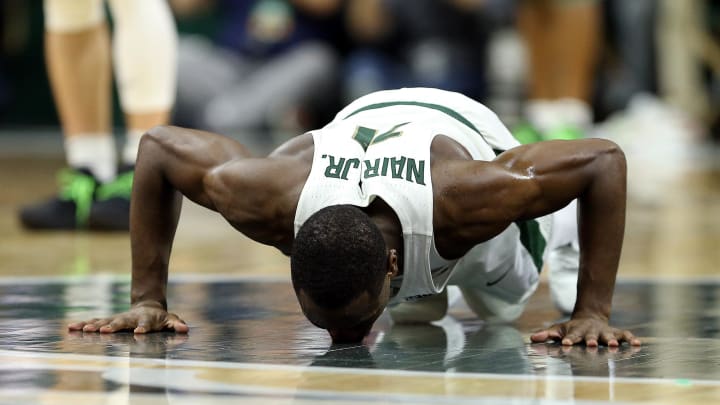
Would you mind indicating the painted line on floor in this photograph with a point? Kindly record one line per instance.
(182, 278)
(332, 370)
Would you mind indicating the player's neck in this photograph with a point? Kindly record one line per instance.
(389, 224)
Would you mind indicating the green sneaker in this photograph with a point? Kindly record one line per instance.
(564, 133)
(111, 210)
(69, 210)
(526, 133)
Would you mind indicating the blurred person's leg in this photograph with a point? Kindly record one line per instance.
(78, 58)
(77, 49)
(276, 88)
(576, 42)
(144, 55)
(562, 41)
(368, 70)
(205, 70)
(633, 28)
(145, 58)
(679, 56)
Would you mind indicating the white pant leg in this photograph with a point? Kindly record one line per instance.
(562, 257)
(497, 277)
(422, 310)
(145, 54)
(66, 16)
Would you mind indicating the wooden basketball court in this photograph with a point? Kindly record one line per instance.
(249, 343)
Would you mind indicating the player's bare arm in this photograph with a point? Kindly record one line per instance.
(476, 200)
(215, 172)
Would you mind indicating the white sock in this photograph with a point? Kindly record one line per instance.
(574, 113)
(132, 143)
(542, 114)
(95, 152)
(550, 115)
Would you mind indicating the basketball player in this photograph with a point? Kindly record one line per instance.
(404, 192)
(94, 193)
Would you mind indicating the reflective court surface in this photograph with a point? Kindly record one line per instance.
(248, 339)
(249, 343)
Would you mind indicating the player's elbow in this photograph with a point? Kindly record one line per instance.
(610, 158)
(153, 141)
(158, 134)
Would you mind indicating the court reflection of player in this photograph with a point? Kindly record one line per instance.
(495, 349)
(439, 346)
(446, 346)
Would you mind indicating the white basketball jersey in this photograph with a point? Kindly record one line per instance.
(379, 146)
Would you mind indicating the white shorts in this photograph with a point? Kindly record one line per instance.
(497, 277)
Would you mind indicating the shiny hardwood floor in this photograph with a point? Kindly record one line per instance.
(248, 342)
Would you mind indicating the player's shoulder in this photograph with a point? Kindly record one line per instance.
(296, 147)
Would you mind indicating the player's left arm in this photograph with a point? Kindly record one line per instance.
(530, 181)
(594, 172)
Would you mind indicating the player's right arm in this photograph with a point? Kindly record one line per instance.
(530, 181)
(172, 162)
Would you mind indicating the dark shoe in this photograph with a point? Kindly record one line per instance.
(111, 210)
(69, 210)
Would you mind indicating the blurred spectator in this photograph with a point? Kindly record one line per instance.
(684, 46)
(629, 60)
(714, 55)
(562, 38)
(662, 47)
(428, 43)
(268, 64)
(13, 38)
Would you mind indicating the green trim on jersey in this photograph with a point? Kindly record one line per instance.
(533, 240)
(437, 107)
(449, 111)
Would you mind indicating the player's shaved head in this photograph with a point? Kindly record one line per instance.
(338, 265)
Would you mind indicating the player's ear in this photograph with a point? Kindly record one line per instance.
(392, 263)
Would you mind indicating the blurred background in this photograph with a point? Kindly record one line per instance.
(286, 66)
(644, 73)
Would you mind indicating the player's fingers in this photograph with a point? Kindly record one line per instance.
(555, 334)
(609, 339)
(95, 325)
(117, 324)
(572, 338)
(543, 335)
(175, 323)
(147, 323)
(540, 336)
(591, 339)
(76, 326)
(627, 336)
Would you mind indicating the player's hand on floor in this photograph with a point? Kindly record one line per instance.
(139, 319)
(592, 331)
